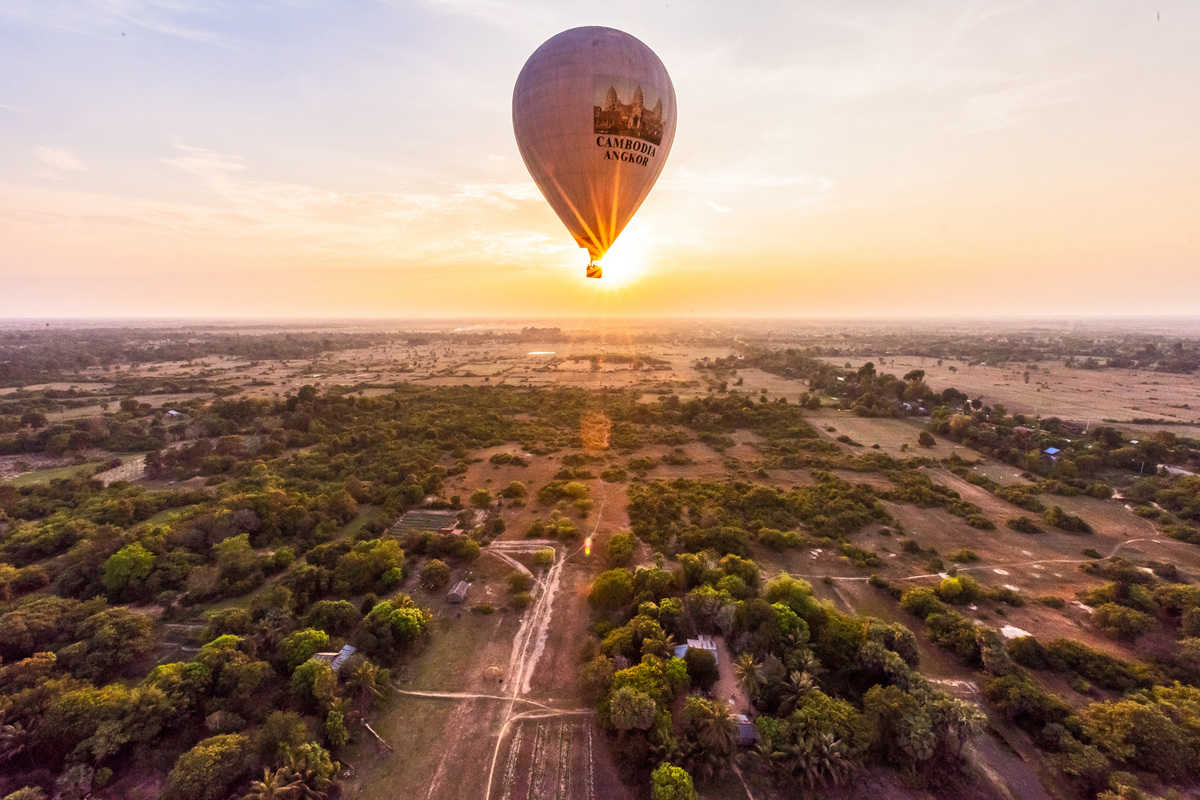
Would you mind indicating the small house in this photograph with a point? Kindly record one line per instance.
(336, 660)
(747, 734)
(699, 643)
(341, 657)
(459, 593)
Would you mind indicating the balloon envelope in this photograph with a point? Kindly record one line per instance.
(594, 116)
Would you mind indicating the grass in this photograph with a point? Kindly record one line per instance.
(53, 473)
(365, 515)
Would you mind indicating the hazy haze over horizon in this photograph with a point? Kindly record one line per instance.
(184, 158)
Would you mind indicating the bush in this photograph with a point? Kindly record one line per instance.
(1060, 519)
(1121, 622)
(1023, 525)
(701, 667)
(519, 581)
(435, 574)
(959, 589)
(925, 439)
(619, 552)
(209, 770)
(514, 491)
(669, 782)
(611, 590)
(963, 556)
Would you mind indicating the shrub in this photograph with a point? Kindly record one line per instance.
(435, 574)
(701, 667)
(619, 552)
(208, 770)
(1023, 525)
(925, 439)
(1121, 622)
(514, 491)
(519, 581)
(1060, 519)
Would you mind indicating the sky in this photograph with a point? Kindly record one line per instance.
(852, 158)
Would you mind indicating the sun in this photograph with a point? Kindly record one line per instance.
(625, 262)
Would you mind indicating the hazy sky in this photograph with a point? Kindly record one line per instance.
(249, 157)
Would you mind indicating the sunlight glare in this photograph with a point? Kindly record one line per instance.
(627, 261)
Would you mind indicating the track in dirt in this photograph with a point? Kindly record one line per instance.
(528, 646)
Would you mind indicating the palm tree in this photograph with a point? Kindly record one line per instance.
(366, 684)
(749, 675)
(804, 660)
(794, 690)
(716, 730)
(819, 759)
(312, 785)
(766, 758)
(277, 784)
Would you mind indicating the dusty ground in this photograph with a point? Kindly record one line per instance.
(1056, 390)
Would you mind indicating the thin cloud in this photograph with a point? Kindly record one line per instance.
(58, 159)
(190, 20)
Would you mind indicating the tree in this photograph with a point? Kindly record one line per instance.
(749, 675)
(793, 690)
(481, 498)
(435, 574)
(27, 793)
(925, 439)
(301, 645)
(514, 491)
(366, 683)
(820, 759)
(315, 769)
(611, 590)
(620, 549)
(631, 709)
(335, 727)
(126, 569)
(701, 667)
(108, 640)
(280, 731)
(709, 736)
(333, 616)
(208, 770)
(276, 784)
(669, 782)
(314, 683)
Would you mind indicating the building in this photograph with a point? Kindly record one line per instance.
(629, 119)
(336, 660)
(747, 734)
(426, 519)
(699, 643)
(459, 593)
(1051, 453)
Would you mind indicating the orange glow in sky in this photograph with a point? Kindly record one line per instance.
(831, 159)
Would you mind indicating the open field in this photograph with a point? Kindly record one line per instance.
(489, 701)
(1056, 390)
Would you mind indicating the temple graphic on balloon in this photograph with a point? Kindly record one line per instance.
(641, 117)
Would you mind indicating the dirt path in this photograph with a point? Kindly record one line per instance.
(530, 640)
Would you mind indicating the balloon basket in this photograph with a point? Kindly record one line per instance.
(594, 270)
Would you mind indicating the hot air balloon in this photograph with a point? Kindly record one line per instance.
(594, 116)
